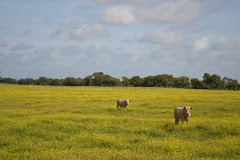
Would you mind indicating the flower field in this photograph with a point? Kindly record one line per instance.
(46, 122)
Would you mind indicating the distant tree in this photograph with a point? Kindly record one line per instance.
(8, 81)
(42, 81)
(79, 82)
(88, 81)
(101, 79)
(207, 78)
(125, 81)
(197, 84)
(148, 81)
(226, 80)
(56, 82)
(233, 85)
(69, 81)
(98, 78)
(217, 83)
(164, 80)
(181, 82)
(136, 81)
(203, 85)
(213, 81)
(110, 81)
(27, 81)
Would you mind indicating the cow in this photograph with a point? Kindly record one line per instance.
(122, 104)
(182, 113)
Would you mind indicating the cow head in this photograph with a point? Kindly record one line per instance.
(127, 102)
(187, 109)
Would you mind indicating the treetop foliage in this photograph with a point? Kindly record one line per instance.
(164, 80)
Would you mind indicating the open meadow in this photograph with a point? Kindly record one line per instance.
(45, 122)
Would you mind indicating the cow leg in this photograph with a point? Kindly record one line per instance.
(176, 120)
(182, 121)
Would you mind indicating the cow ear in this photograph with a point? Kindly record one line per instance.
(184, 108)
(191, 107)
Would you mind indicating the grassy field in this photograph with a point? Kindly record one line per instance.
(44, 122)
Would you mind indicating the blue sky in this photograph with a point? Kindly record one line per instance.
(63, 38)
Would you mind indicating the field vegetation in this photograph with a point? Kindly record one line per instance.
(50, 122)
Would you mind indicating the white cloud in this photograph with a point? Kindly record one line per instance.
(24, 54)
(68, 55)
(224, 44)
(85, 32)
(220, 45)
(71, 51)
(20, 52)
(65, 26)
(131, 39)
(173, 11)
(201, 43)
(161, 37)
(220, 53)
(80, 31)
(117, 15)
(98, 51)
(22, 47)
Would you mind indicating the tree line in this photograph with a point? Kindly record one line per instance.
(164, 80)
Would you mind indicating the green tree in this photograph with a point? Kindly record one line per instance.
(69, 81)
(213, 81)
(181, 82)
(88, 81)
(226, 80)
(164, 80)
(110, 81)
(148, 81)
(125, 81)
(233, 85)
(197, 84)
(79, 82)
(101, 79)
(136, 81)
(26, 81)
(217, 83)
(98, 78)
(42, 81)
(8, 81)
(206, 78)
(56, 82)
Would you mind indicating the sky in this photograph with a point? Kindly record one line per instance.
(75, 38)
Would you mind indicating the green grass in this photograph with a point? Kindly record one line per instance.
(44, 122)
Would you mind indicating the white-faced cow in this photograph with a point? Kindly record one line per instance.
(122, 104)
(182, 113)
